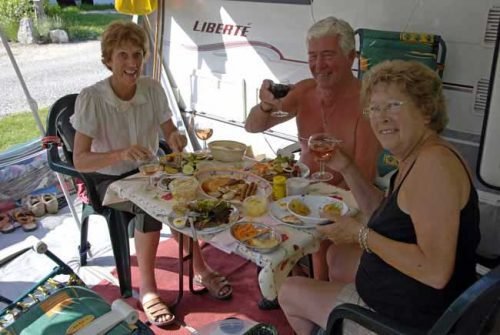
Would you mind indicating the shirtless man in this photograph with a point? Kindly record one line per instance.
(328, 102)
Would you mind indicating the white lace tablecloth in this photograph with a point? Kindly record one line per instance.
(275, 265)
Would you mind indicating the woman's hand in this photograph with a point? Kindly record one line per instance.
(135, 153)
(339, 161)
(177, 141)
(344, 231)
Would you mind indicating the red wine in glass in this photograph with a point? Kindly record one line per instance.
(279, 91)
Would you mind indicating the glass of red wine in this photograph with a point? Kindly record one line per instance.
(279, 90)
(322, 145)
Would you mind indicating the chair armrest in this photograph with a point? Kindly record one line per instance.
(57, 165)
(366, 318)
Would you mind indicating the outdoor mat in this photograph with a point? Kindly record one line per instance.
(196, 311)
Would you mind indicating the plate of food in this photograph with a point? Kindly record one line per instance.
(232, 185)
(209, 216)
(307, 211)
(183, 163)
(280, 166)
(256, 236)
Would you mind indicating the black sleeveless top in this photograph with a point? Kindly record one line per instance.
(400, 297)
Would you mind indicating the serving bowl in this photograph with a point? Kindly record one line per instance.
(319, 208)
(227, 151)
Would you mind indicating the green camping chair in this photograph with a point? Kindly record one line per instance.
(376, 46)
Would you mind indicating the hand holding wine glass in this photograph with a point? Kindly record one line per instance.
(322, 145)
(279, 90)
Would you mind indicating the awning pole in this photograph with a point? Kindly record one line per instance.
(34, 110)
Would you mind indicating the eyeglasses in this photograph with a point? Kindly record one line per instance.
(392, 108)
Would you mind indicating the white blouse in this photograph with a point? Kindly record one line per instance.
(115, 124)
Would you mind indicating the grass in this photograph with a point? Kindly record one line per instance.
(20, 128)
(81, 25)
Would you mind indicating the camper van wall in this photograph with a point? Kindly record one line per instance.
(219, 71)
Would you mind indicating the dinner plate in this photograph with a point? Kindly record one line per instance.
(279, 209)
(233, 218)
(266, 238)
(304, 169)
(263, 186)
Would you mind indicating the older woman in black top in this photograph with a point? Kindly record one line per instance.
(418, 249)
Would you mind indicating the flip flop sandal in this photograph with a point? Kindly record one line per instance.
(6, 225)
(155, 309)
(26, 219)
(215, 283)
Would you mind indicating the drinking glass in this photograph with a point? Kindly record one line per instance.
(203, 129)
(148, 167)
(322, 146)
(279, 90)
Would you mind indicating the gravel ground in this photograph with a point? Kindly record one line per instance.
(50, 71)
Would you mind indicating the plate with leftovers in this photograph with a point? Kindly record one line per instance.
(256, 236)
(209, 216)
(183, 163)
(232, 185)
(307, 211)
(280, 166)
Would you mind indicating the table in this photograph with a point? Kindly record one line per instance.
(275, 266)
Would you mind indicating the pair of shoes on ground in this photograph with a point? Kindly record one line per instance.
(18, 217)
(39, 205)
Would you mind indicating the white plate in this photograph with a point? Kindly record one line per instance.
(263, 186)
(304, 169)
(279, 208)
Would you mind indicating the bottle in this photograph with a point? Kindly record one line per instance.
(279, 187)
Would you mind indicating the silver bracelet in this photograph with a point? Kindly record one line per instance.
(363, 238)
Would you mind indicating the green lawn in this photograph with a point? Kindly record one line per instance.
(20, 128)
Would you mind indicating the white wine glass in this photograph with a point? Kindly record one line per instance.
(203, 129)
(322, 145)
(149, 167)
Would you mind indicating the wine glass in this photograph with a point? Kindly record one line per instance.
(148, 167)
(279, 90)
(203, 129)
(322, 146)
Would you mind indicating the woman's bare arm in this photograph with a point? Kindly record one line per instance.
(87, 161)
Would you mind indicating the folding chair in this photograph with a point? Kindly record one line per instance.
(475, 311)
(376, 46)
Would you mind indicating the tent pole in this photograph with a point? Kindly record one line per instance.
(34, 110)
